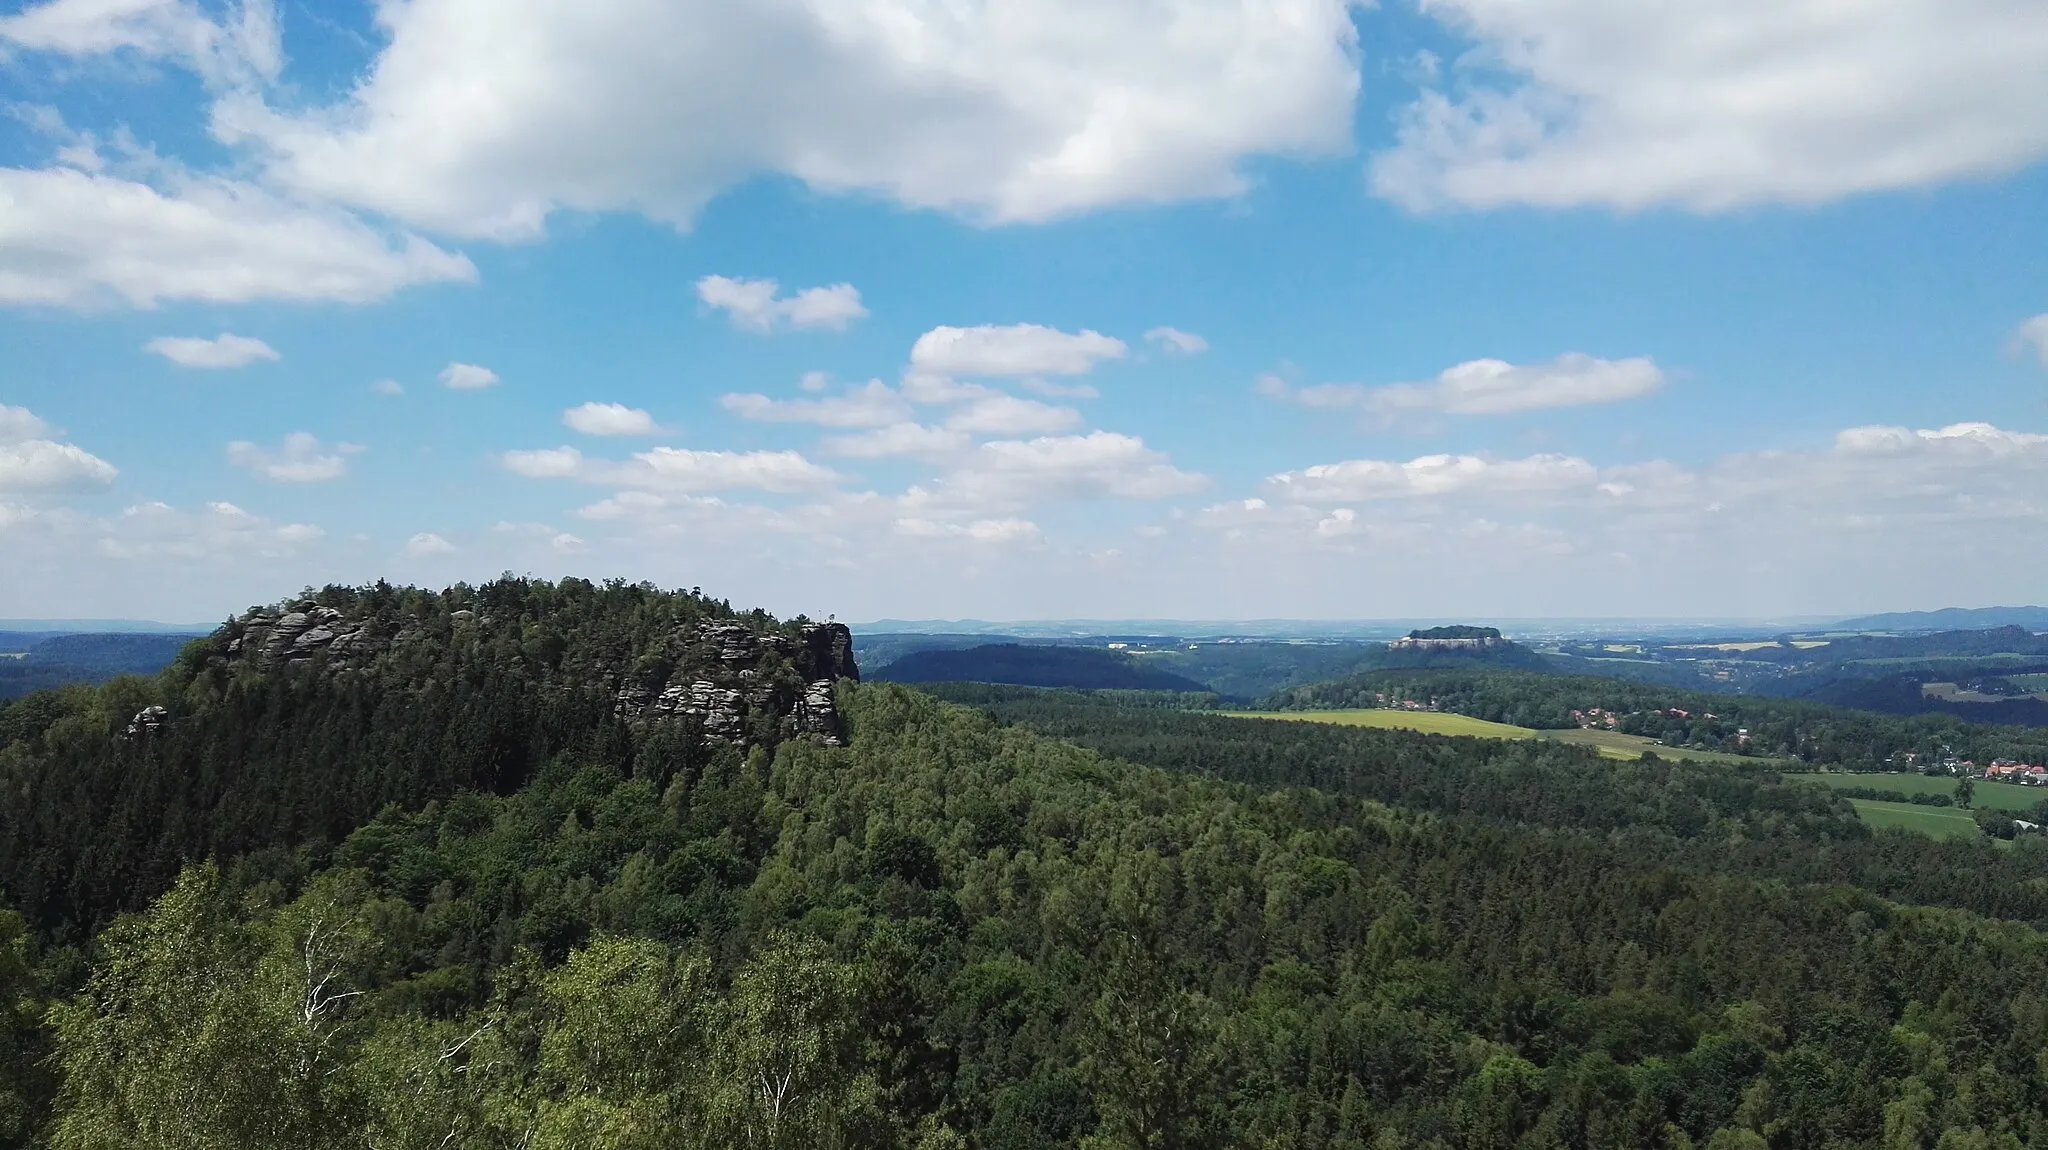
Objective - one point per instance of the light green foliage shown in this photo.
(786, 1052)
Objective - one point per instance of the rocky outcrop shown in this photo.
(732, 680)
(305, 632)
(735, 681)
(148, 721)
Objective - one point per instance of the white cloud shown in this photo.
(300, 459)
(19, 423)
(1176, 342)
(1432, 475)
(426, 545)
(900, 440)
(388, 387)
(482, 119)
(609, 419)
(1487, 387)
(682, 470)
(999, 532)
(679, 470)
(1007, 415)
(547, 463)
(222, 351)
(2033, 335)
(73, 239)
(1012, 472)
(31, 459)
(1971, 441)
(39, 463)
(468, 377)
(155, 531)
(925, 387)
(1047, 387)
(874, 404)
(1017, 350)
(246, 48)
(755, 305)
(1713, 106)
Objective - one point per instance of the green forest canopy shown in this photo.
(965, 929)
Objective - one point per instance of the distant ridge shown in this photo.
(1085, 668)
(1951, 619)
(106, 626)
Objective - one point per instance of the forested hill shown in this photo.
(294, 724)
(1738, 724)
(553, 866)
(1035, 665)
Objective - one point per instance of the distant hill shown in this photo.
(32, 662)
(1423, 652)
(1951, 619)
(1019, 665)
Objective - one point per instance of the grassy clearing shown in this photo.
(1939, 822)
(1610, 744)
(1428, 722)
(1998, 796)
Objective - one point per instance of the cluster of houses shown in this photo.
(2014, 771)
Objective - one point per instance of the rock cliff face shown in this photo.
(738, 683)
(731, 678)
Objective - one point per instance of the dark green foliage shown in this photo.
(1455, 631)
(493, 682)
(1035, 666)
(959, 931)
(1737, 724)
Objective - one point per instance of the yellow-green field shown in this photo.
(1998, 796)
(1610, 744)
(1940, 822)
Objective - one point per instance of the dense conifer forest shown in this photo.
(513, 866)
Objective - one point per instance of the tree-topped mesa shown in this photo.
(1455, 631)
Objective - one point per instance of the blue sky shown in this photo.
(1121, 308)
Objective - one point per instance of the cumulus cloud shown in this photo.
(905, 440)
(682, 470)
(1011, 531)
(1710, 107)
(679, 470)
(1015, 472)
(609, 419)
(546, 463)
(1001, 113)
(220, 530)
(757, 305)
(71, 238)
(1487, 387)
(222, 351)
(1968, 441)
(242, 48)
(1432, 475)
(1006, 415)
(1176, 342)
(40, 463)
(1022, 349)
(19, 423)
(299, 459)
(426, 545)
(875, 404)
(2033, 336)
(30, 459)
(467, 377)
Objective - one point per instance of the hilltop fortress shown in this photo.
(1450, 639)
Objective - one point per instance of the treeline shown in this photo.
(955, 933)
(1738, 724)
(103, 800)
(1703, 817)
